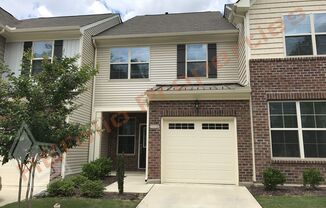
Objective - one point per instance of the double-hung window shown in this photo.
(305, 34)
(40, 51)
(126, 136)
(197, 63)
(129, 63)
(298, 129)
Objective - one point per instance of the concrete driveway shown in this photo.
(198, 196)
(10, 177)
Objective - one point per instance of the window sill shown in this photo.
(298, 161)
(129, 80)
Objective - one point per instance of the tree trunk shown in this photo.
(29, 182)
(34, 164)
(21, 171)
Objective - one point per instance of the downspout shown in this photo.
(254, 178)
(93, 116)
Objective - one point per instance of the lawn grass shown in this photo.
(291, 201)
(78, 203)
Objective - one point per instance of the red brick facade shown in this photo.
(238, 109)
(131, 161)
(283, 79)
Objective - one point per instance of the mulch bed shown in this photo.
(125, 196)
(109, 180)
(287, 191)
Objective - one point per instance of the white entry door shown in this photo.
(199, 150)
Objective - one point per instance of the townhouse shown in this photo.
(197, 97)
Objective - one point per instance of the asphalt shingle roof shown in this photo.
(6, 18)
(171, 23)
(81, 20)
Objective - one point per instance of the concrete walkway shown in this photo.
(134, 183)
(198, 196)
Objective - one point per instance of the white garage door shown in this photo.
(199, 150)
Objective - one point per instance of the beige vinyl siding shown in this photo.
(266, 24)
(128, 95)
(243, 79)
(2, 48)
(77, 157)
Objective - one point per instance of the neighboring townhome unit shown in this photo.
(286, 47)
(58, 37)
(173, 98)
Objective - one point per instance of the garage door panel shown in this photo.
(199, 155)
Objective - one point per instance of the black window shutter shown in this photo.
(26, 62)
(212, 61)
(58, 49)
(28, 46)
(181, 61)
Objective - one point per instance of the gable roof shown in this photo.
(6, 18)
(62, 21)
(171, 23)
(45, 22)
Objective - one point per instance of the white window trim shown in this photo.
(300, 130)
(193, 61)
(134, 135)
(312, 33)
(129, 63)
(42, 58)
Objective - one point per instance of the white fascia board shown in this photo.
(165, 34)
(82, 29)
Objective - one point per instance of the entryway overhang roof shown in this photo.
(229, 91)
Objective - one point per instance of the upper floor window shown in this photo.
(196, 60)
(298, 129)
(305, 34)
(129, 63)
(40, 51)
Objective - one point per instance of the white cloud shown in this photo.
(44, 12)
(127, 8)
(98, 7)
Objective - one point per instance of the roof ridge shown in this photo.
(178, 13)
(83, 15)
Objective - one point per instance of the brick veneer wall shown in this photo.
(238, 109)
(131, 161)
(283, 79)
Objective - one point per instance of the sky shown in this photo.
(23, 9)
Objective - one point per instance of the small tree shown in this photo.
(120, 173)
(43, 101)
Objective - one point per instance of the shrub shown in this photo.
(312, 178)
(120, 173)
(272, 178)
(78, 180)
(97, 169)
(63, 188)
(92, 189)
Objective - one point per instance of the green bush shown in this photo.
(92, 189)
(97, 169)
(312, 178)
(120, 173)
(63, 188)
(78, 180)
(272, 178)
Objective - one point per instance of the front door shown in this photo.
(142, 146)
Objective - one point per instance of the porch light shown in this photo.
(197, 104)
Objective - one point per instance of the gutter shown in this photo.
(234, 31)
(43, 29)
